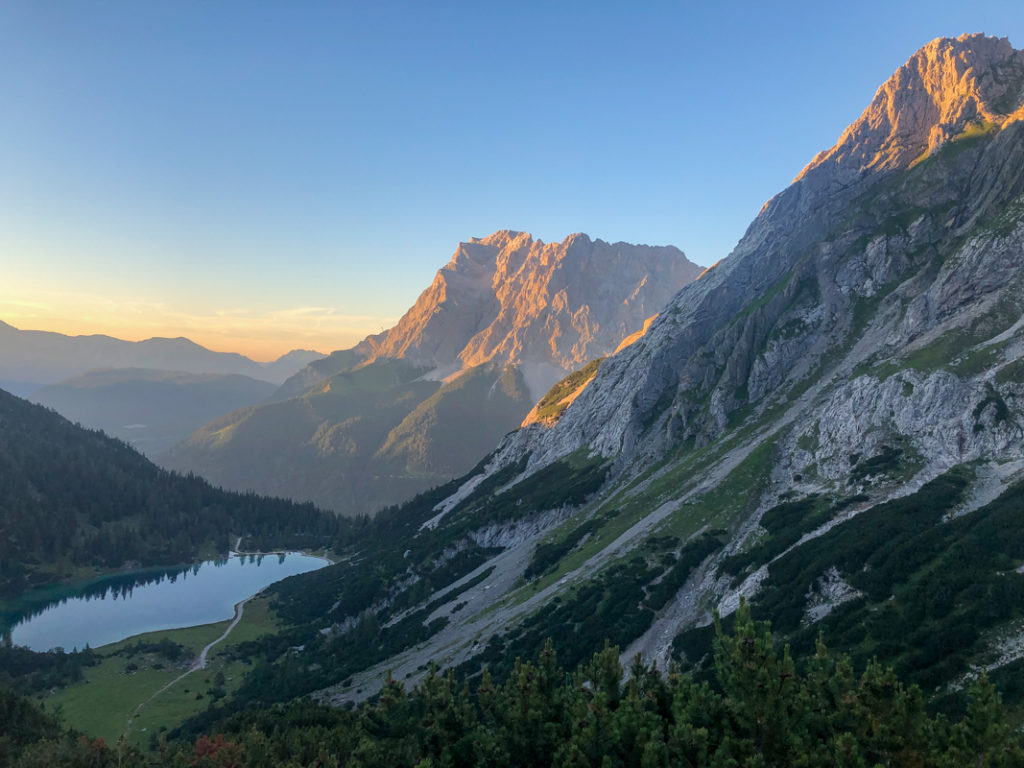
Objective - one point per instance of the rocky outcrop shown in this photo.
(829, 591)
(947, 88)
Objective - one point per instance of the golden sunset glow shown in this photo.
(263, 336)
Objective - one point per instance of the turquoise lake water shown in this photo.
(130, 604)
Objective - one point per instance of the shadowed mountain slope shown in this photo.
(151, 410)
(74, 502)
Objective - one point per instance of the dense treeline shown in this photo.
(762, 709)
(72, 497)
(607, 607)
(30, 672)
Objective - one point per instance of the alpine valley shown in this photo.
(824, 431)
(419, 404)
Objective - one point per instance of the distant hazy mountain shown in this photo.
(278, 371)
(30, 359)
(152, 410)
(406, 409)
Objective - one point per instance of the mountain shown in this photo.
(31, 359)
(280, 370)
(152, 410)
(74, 502)
(827, 424)
(414, 406)
(544, 307)
(317, 370)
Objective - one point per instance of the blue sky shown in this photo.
(260, 176)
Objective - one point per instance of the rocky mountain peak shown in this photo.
(501, 238)
(550, 307)
(948, 88)
(580, 238)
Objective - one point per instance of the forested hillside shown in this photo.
(73, 499)
(762, 708)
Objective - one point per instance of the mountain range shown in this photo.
(412, 407)
(152, 410)
(825, 429)
(826, 424)
(31, 359)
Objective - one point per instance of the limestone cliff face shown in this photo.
(546, 307)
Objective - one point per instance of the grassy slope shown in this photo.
(103, 702)
(434, 439)
(553, 404)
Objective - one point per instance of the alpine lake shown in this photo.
(116, 607)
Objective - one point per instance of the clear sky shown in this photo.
(260, 176)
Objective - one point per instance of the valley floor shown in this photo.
(141, 695)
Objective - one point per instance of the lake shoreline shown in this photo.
(63, 589)
(89, 613)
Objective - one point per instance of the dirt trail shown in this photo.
(198, 663)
